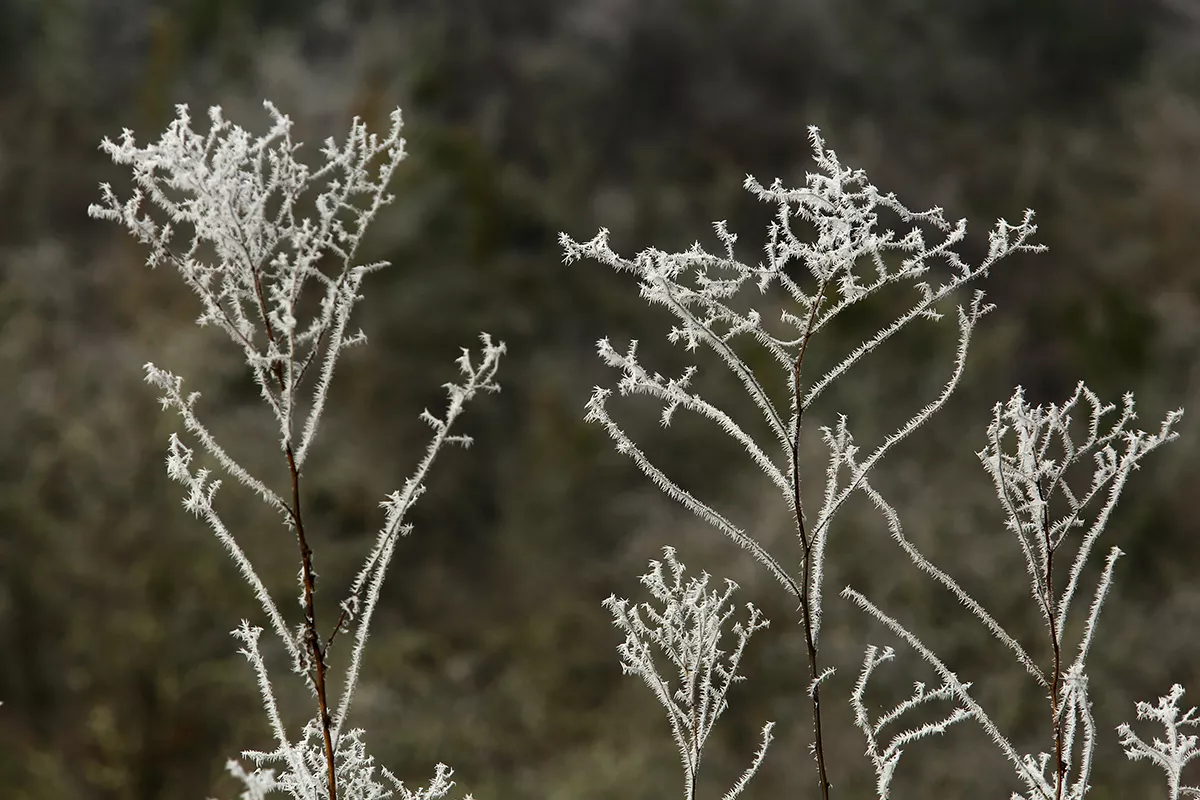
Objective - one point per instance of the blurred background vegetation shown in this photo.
(524, 118)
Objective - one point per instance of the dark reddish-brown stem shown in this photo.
(311, 639)
(807, 545)
(1060, 768)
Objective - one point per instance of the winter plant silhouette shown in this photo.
(238, 196)
(844, 261)
(252, 257)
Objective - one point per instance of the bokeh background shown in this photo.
(525, 118)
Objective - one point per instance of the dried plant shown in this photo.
(841, 262)
(238, 197)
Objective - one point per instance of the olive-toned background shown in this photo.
(526, 117)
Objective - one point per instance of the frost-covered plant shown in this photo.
(841, 262)
(252, 258)
(823, 276)
(688, 631)
(1178, 749)
(886, 759)
(1030, 480)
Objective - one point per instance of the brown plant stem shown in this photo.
(802, 533)
(311, 637)
(1060, 768)
(310, 625)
